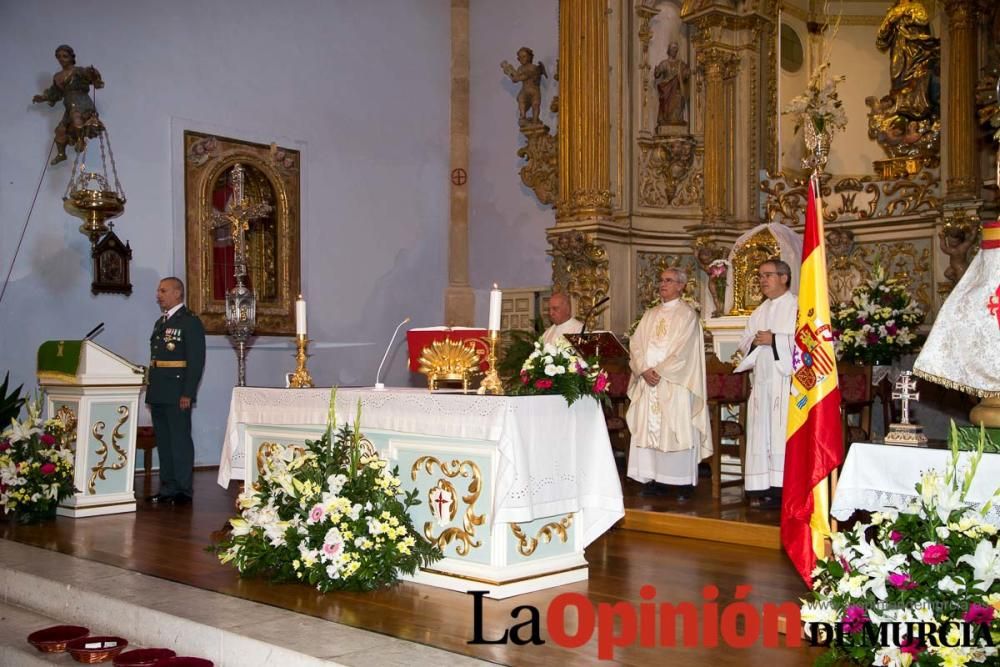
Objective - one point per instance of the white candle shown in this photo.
(496, 297)
(300, 316)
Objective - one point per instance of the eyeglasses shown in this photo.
(671, 280)
(767, 274)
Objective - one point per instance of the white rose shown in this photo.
(551, 370)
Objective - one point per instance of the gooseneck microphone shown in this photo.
(590, 313)
(380, 386)
(94, 332)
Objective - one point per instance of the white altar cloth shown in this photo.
(876, 477)
(554, 459)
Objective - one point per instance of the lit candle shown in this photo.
(495, 305)
(300, 316)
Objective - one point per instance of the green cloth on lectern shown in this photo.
(59, 359)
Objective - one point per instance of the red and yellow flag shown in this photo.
(815, 442)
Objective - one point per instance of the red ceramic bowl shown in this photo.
(54, 639)
(184, 661)
(143, 657)
(90, 650)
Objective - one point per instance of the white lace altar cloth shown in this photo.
(877, 477)
(554, 459)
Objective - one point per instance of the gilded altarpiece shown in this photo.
(272, 176)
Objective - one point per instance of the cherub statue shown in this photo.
(72, 85)
(529, 75)
(956, 242)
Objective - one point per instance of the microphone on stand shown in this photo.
(590, 313)
(96, 331)
(380, 386)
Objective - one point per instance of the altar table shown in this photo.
(534, 480)
(877, 477)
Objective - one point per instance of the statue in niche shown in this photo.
(672, 77)
(906, 122)
(529, 75)
(72, 85)
(956, 241)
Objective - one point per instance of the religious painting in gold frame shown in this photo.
(272, 177)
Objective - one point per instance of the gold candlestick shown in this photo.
(491, 383)
(300, 378)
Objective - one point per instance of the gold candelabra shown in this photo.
(491, 383)
(300, 378)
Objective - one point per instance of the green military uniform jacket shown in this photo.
(180, 339)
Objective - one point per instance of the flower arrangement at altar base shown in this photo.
(558, 369)
(329, 513)
(879, 324)
(934, 561)
(36, 467)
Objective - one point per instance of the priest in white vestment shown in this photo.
(668, 415)
(563, 322)
(767, 344)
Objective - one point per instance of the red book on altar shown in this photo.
(418, 339)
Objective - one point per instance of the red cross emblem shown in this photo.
(994, 305)
(441, 501)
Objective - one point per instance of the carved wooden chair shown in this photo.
(856, 398)
(726, 390)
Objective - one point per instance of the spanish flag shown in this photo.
(815, 442)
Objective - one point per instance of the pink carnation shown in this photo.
(980, 614)
(543, 384)
(896, 536)
(48, 440)
(902, 581)
(47, 468)
(935, 554)
(601, 383)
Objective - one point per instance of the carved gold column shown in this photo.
(459, 300)
(584, 108)
(963, 156)
(718, 65)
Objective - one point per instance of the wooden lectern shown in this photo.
(613, 357)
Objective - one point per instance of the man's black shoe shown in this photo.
(159, 499)
(770, 503)
(654, 489)
(685, 491)
(181, 499)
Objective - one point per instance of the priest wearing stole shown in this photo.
(668, 415)
(563, 322)
(767, 342)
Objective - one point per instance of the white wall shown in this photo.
(362, 88)
(506, 222)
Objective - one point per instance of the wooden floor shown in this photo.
(170, 543)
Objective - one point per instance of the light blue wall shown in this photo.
(361, 88)
(507, 223)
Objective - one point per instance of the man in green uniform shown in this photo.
(176, 362)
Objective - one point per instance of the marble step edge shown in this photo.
(77, 604)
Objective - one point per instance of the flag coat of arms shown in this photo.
(814, 445)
